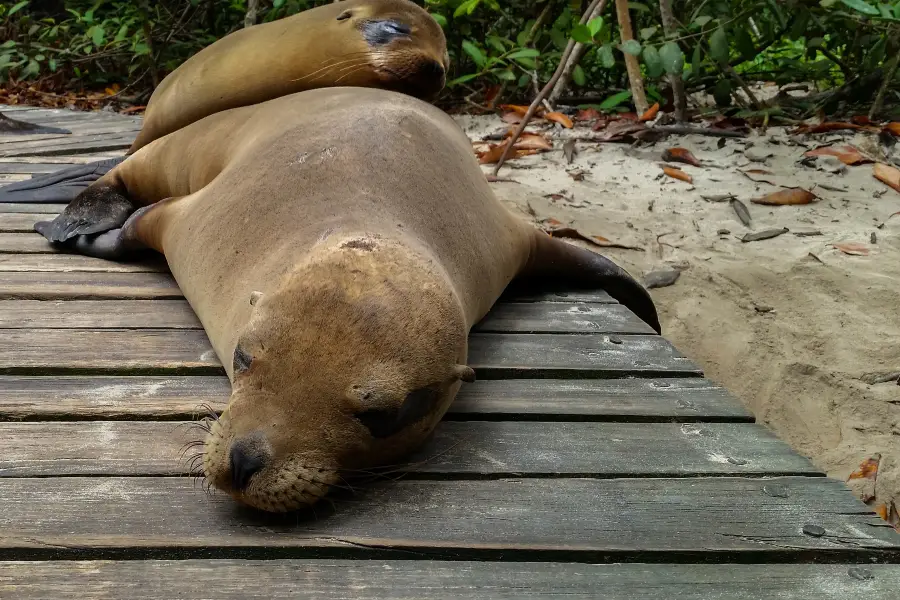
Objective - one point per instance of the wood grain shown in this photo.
(582, 519)
(46, 211)
(334, 579)
(474, 448)
(72, 144)
(492, 355)
(177, 397)
(72, 263)
(19, 222)
(562, 317)
(26, 243)
(62, 286)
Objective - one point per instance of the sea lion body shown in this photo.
(387, 44)
(337, 245)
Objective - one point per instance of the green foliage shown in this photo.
(492, 43)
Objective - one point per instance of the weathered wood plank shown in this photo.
(177, 397)
(19, 168)
(335, 579)
(72, 145)
(19, 222)
(138, 314)
(72, 263)
(77, 129)
(473, 448)
(26, 243)
(45, 211)
(492, 355)
(61, 286)
(584, 519)
(63, 159)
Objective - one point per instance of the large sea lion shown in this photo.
(389, 44)
(337, 246)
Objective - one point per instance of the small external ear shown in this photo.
(464, 373)
(254, 297)
(241, 361)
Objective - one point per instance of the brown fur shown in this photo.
(337, 245)
(311, 49)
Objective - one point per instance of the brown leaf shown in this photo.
(513, 118)
(893, 128)
(601, 124)
(490, 95)
(533, 141)
(587, 114)
(887, 174)
(682, 155)
(785, 197)
(558, 117)
(492, 155)
(650, 113)
(849, 155)
(837, 126)
(678, 174)
(854, 248)
(555, 228)
(861, 120)
(741, 210)
(516, 108)
(619, 130)
(868, 469)
(628, 116)
(133, 109)
(764, 235)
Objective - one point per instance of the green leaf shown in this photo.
(815, 42)
(696, 61)
(524, 80)
(886, 12)
(860, 6)
(473, 51)
(52, 64)
(33, 68)
(718, 45)
(647, 32)
(16, 8)
(495, 43)
(653, 61)
(827, 3)
(39, 57)
(8, 44)
(528, 63)
(121, 34)
(798, 30)
(615, 100)
(280, 3)
(595, 25)
(89, 16)
(441, 19)
(506, 75)
(558, 38)
(632, 47)
(578, 76)
(701, 20)
(581, 34)
(744, 43)
(672, 58)
(98, 35)
(606, 56)
(524, 53)
(638, 7)
(462, 79)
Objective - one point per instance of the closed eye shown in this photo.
(378, 33)
(385, 422)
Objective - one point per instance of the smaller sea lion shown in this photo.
(388, 44)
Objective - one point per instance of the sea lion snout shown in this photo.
(248, 456)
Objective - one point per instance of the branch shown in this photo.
(250, 17)
(631, 62)
(670, 28)
(890, 71)
(546, 90)
(574, 58)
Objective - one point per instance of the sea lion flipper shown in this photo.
(558, 263)
(97, 209)
(61, 186)
(112, 244)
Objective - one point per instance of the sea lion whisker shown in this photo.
(347, 74)
(330, 66)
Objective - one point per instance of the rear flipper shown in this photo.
(115, 244)
(60, 186)
(558, 265)
(95, 210)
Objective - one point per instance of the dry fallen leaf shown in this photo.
(853, 248)
(786, 197)
(650, 113)
(620, 130)
(516, 108)
(558, 117)
(533, 141)
(741, 210)
(587, 114)
(893, 128)
(513, 118)
(868, 469)
(861, 120)
(849, 155)
(682, 155)
(887, 174)
(764, 235)
(826, 127)
(678, 174)
(555, 228)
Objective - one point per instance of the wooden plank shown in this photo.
(77, 129)
(138, 314)
(71, 263)
(177, 397)
(336, 579)
(45, 211)
(19, 222)
(602, 520)
(72, 145)
(61, 286)
(473, 448)
(26, 243)
(29, 168)
(63, 159)
(493, 356)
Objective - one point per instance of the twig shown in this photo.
(546, 90)
(670, 28)
(577, 52)
(889, 73)
(631, 62)
(250, 17)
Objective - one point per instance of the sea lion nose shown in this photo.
(433, 69)
(244, 464)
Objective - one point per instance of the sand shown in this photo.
(790, 325)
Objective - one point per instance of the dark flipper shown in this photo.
(560, 266)
(9, 125)
(58, 187)
(97, 209)
(115, 244)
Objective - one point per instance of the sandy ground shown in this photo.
(790, 325)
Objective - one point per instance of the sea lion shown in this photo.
(389, 44)
(337, 246)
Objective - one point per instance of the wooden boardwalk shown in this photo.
(590, 459)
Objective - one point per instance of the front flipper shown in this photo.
(115, 244)
(57, 187)
(95, 210)
(554, 263)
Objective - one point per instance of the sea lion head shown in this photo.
(349, 364)
(406, 47)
